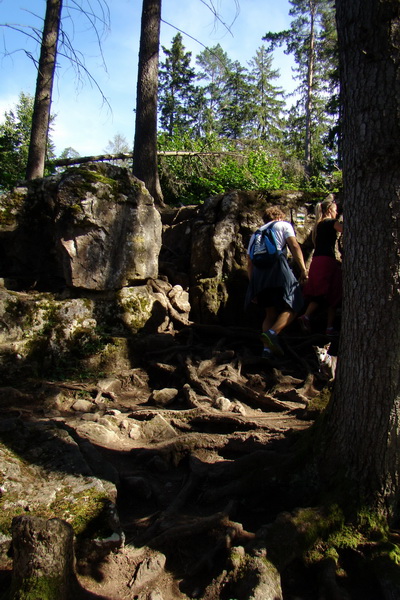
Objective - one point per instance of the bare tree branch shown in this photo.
(210, 5)
(99, 23)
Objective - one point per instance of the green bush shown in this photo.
(210, 166)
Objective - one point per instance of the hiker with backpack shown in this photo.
(272, 284)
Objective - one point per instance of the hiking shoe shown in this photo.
(270, 340)
(331, 332)
(267, 353)
(305, 323)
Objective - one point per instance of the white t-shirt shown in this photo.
(282, 230)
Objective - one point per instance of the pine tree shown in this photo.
(145, 160)
(178, 96)
(44, 90)
(330, 64)
(14, 142)
(237, 110)
(268, 99)
(360, 436)
(306, 40)
(215, 66)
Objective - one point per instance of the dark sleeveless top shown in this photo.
(325, 240)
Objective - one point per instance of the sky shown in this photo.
(83, 120)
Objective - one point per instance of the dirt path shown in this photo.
(208, 486)
(217, 425)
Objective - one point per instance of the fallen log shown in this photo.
(77, 160)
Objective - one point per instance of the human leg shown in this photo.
(305, 319)
(330, 328)
(312, 307)
(331, 313)
(269, 320)
(270, 336)
(270, 317)
(283, 320)
(278, 315)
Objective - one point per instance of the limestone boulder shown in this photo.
(94, 228)
(156, 306)
(44, 333)
(114, 235)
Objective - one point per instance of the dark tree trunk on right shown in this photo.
(362, 434)
(145, 166)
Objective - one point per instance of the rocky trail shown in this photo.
(195, 439)
(138, 418)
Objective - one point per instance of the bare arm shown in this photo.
(295, 249)
(338, 225)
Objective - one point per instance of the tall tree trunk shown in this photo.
(44, 89)
(145, 166)
(362, 426)
(310, 79)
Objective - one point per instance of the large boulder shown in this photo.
(94, 228)
(44, 333)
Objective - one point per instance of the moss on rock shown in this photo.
(33, 588)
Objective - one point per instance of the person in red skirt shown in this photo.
(324, 284)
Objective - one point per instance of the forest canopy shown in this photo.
(210, 104)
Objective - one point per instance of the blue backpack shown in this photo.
(264, 250)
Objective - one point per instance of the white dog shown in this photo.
(327, 363)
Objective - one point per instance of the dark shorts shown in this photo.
(272, 297)
(275, 286)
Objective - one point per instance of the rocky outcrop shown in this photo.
(205, 247)
(92, 228)
(43, 333)
(95, 228)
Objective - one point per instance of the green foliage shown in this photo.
(312, 125)
(249, 171)
(178, 97)
(222, 167)
(239, 110)
(14, 142)
(268, 102)
(214, 66)
(15, 134)
(215, 166)
(238, 103)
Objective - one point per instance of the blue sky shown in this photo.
(83, 121)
